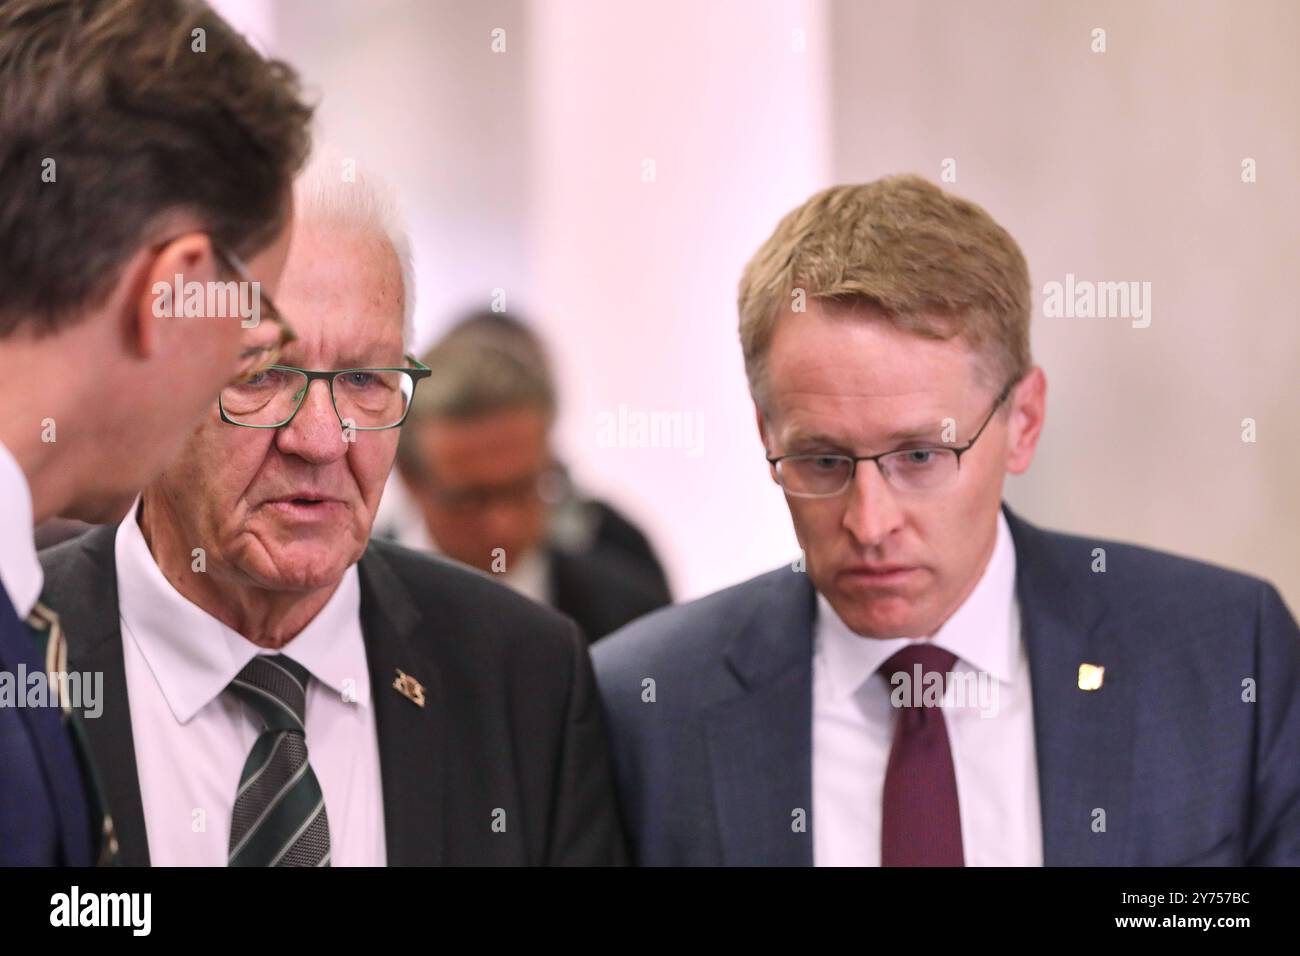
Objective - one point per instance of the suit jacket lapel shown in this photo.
(1084, 739)
(759, 732)
(85, 598)
(51, 738)
(410, 735)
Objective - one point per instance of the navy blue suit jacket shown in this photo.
(44, 819)
(714, 771)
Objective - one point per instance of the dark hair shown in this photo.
(145, 108)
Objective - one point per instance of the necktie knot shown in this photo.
(930, 660)
(275, 687)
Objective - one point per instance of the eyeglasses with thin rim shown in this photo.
(257, 356)
(255, 353)
(921, 469)
(364, 399)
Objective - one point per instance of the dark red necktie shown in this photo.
(920, 825)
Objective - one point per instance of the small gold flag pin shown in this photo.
(1090, 676)
(409, 687)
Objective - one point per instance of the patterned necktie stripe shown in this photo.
(44, 625)
(310, 845)
(259, 759)
(279, 817)
(277, 713)
(295, 803)
(271, 782)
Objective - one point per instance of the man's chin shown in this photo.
(300, 575)
(304, 565)
(883, 616)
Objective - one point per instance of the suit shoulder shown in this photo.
(65, 562)
(486, 608)
(1148, 570)
(608, 570)
(1166, 592)
(681, 637)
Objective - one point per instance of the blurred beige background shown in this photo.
(611, 170)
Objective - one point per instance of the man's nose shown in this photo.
(315, 433)
(871, 512)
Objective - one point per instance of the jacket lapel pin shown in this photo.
(1090, 676)
(409, 687)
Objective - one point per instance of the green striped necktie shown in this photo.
(279, 817)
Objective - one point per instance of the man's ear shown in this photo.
(1025, 424)
(148, 290)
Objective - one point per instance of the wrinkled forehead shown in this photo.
(342, 292)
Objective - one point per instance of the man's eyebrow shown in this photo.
(899, 435)
(814, 438)
(368, 360)
(910, 434)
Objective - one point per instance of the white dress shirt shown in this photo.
(191, 739)
(20, 569)
(992, 739)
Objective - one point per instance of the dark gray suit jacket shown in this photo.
(1187, 772)
(511, 719)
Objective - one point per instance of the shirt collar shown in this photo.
(20, 569)
(979, 632)
(530, 575)
(194, 656)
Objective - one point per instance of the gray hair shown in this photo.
(336, 190)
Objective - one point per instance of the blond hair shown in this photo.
(936, 265)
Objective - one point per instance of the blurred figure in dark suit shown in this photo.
(475, 458)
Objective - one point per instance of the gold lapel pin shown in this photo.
(1090, 676)
(409, 687)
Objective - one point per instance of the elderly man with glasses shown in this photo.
(935, 681)
(283, 691)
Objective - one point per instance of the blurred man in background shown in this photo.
(476, 459)
(142, 143)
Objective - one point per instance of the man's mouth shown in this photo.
(304, 506)
(879, 574)
(298, 499)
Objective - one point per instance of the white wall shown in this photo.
(636, 280)
(523, 171)
(1123, 165)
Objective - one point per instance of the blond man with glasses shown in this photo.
(936, 681)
